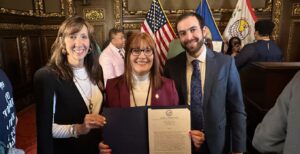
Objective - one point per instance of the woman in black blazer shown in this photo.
(68, 93)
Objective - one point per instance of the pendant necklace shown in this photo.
(90, 104)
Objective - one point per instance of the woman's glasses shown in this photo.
(138, 51)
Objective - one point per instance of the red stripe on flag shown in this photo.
(250, 9)
(171, 31)
(159, 51)
(162, 53)
(159, 56)
(162, 42)
(145, 28)
(166, 34)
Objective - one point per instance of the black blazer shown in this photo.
(223, 105)
(70, 109)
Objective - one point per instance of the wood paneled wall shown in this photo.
(25, 44)
(289, 28)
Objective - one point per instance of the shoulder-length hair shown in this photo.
(58, 61)
(135, 41)
(230, 46)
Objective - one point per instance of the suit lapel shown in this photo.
(182, 78)
(210, 72)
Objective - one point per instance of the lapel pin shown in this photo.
(156, 96)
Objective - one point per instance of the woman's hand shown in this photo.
(198, 138)
(90, 121)
(104, 148)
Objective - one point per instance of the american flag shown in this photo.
(157, 25)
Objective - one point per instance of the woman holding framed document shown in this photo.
(142, 83)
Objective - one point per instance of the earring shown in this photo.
(90, 51)
(64, 51)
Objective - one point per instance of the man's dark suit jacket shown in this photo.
(222, 103)
(258, 51)
(118, 94)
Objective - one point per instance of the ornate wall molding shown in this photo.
(118, 12)
(132, 26)
(7, 26)
(16, 12)
(126, 11)
(36, 7)
(268, 7)
(40, 6)
(39, 11)
(296, 9)
(94, 14)
(70, 7)
(122, 12)
(277, 7)
(290, 40)
(25, 57)
(43, 13)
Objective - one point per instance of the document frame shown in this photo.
(126, 130)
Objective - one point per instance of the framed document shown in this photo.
(127, 130)
(168, 130)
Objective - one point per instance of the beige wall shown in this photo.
(101, 26)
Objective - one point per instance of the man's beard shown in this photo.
(193, 51)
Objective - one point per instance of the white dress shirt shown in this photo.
(112, 62)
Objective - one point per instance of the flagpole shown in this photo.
(154, 15)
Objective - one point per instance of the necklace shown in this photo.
(146, 97)
(90, 104)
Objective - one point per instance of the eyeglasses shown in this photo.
(138, 51)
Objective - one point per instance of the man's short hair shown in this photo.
(190, 14)
(114, 31)
(264, 27)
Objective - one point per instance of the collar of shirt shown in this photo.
(201, 57)
(115, 49)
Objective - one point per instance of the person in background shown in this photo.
(8, 118)
(234, 46)
(263, 49)
(142, 83)
(112, 57)
(279, 130)
(209, 82)
(68, 93)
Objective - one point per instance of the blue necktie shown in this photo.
(196, 98)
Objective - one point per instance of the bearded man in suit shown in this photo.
(221, 125)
